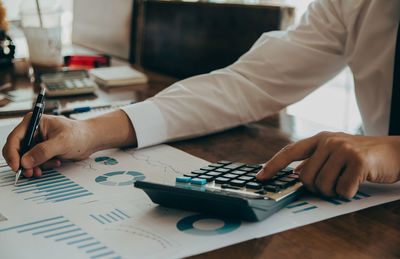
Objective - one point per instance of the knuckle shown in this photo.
(324, 134)
(287, 149)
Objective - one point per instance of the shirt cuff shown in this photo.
(148, 122)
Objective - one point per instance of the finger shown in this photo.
(293, 152)
(27, 172)
(325, 181)
(348, 182)
(313, 165)
(41, 153)
(37, 172)
(53, 163)
(12, 147)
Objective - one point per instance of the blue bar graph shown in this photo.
(51, 187)
(302, 206)
(110, 217)
(339, 200)
(305, 209)
(296, 205)
(305, 206)
(63, 231)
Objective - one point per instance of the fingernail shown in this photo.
(27, 162)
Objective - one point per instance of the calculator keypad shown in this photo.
(72, 82)
(240, 178)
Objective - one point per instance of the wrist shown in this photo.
(110, 130)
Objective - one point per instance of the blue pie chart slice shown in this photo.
(187, 225)
(107, 178)
(106, 160)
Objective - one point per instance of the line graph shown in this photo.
(166, 168)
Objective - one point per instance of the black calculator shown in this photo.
(227, 189)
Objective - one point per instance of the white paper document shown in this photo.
(89, 209)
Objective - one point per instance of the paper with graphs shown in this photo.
(89, 209)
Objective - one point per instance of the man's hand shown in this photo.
(336, 163)
(61, 139)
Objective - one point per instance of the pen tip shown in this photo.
(17, 175)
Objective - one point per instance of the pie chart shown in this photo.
(119, 178)
(221, 225)
(106, 160)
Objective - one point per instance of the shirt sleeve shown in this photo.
(282, 67)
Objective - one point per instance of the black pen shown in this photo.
(33, 125)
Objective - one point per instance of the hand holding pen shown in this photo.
(32, 127)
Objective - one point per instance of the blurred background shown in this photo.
(333, 104)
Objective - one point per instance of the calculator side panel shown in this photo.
(208, 202)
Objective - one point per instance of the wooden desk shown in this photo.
(369, 233)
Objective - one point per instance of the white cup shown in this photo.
(42, 31)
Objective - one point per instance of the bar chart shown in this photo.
(116, 215)
(305, 206)
(63, 231)
(51, 187)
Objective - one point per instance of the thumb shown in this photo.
(41, 153)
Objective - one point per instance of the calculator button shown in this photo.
(245, 178)
(221, 180)
(254, 186)
(255, 167)
(198, 181)
(60, 86)
(213, 174)
(222, 170)
(224, 162)
(183, 179)
(247, 169)
(230, 176)
(208, 178)
(289, 180)
(280, 184)
(287, 170)
(207, 168)
(78, 83)
(51, 87)
(69, 84)
(272, 188)
(238, 172)
(234, 166)
(199, 172)
(238, 183)
(251, 174)
(190, 175)
(88, 82)
(216, 165)
(280, 173)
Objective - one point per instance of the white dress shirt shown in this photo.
(281, 68)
